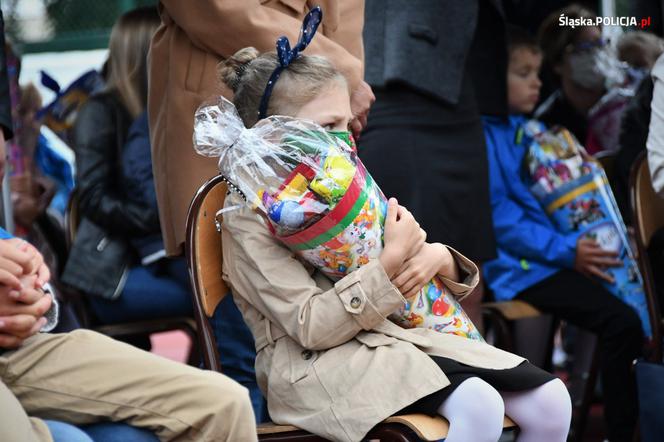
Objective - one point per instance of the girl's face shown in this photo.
(330, 108)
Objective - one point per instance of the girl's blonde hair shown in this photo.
(128, 54)
(247, 73)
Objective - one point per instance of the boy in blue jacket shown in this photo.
(555, 272)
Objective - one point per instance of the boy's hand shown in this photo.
(592, 260)
(431, 260)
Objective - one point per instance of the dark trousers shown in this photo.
(432, 158)
(576, 299)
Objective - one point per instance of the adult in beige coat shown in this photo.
(193, 38)
(328, 360)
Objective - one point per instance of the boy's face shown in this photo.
(523, 83)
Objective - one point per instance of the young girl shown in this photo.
(328, 360)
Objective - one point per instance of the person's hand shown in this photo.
(592, 260)
(22, 312)
(403, 237)
(16, 329)
(15, 261)
(361, 100)
(35, 261)
(416, 271)
(28, 300)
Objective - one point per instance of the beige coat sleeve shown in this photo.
(280, 287)
(223, 27)
(470, 276)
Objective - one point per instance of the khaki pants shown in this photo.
(83, 377)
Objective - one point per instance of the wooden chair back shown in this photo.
(648, 218)
(204, 259)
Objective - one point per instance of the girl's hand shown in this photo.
(403, 237)
(433, 259)
(449, 267)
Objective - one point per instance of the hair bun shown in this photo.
(233, 68)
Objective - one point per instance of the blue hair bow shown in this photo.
(286, 55)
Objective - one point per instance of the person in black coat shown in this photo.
(112, 182)
(115, 216)
(434, 66)
(424, 143)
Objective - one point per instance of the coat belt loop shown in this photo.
(268, 332)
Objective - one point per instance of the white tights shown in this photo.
(475, 411)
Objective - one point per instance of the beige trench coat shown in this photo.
(193, 38)
(326, 363)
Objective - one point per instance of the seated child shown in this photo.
(545, 268)
(328, 359)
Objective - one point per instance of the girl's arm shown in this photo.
(459, 274)
(268, 276)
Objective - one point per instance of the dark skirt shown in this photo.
(524, 376)
(432, 158)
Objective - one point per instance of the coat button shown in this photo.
(355, 302)
(307, 354)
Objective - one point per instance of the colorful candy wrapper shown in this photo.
(578, 199)
(318, 199)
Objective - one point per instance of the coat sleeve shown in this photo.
(517, 233)
(272, 280)
(96, 159)
(223, 27)
(470, 276)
